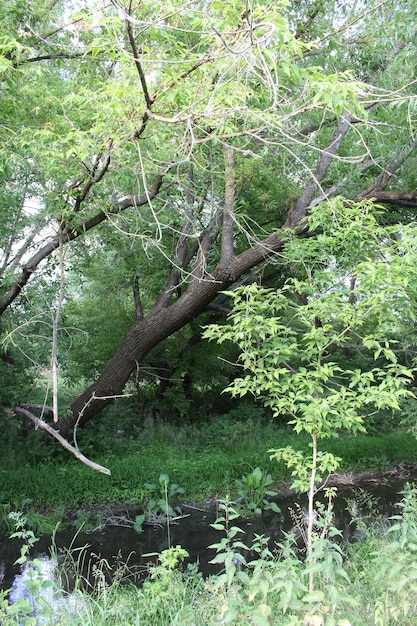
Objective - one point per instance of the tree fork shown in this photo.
(148, 332)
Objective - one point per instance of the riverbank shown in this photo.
(400, 473)
(359, 584)
(370, 581)
(202, 462)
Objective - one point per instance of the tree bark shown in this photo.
(144, 335)
(148, 332)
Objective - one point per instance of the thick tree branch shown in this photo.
(95, 177)
(180, 257)
(399, 198)
(204, 245)
(148, 332)
(303, 28)
(126, 202)
(14, 262)
(51, 57)
(326, 159)
(227, 244)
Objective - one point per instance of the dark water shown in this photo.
(194, 533)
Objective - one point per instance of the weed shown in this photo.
(253, 492)
(372, 582)
(156, 501)
(5, 519)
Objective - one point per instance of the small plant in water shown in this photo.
(228, 549)
(254, 491)
(157, 502)
(248, 587)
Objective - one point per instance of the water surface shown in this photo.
(118, 544)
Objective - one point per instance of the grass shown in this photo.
(205, 461)
(372, 582)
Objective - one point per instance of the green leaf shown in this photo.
(314, 597)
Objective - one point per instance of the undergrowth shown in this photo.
(372, 581)
(206, 462)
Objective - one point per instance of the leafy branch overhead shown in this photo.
(163, 150)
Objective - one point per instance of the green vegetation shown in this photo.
(157, 502)
(163, 154)
(173, 173)
(289, 350)
(205, 462)
(254, 491)
(355, 585)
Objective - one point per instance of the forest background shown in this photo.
(155, 158)
(195, 197)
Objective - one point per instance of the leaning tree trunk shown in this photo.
(145, 334)
(148, 332)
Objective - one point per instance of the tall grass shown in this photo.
(205, 461)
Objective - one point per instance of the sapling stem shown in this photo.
(310, 521)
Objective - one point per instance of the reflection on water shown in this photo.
(37, 583)
(21, 583)
(124, 545)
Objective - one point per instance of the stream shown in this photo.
(120, 545)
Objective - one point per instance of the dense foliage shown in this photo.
(158, 155)
(176, 172)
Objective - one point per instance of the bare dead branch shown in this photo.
(44, 409)
(54, 433)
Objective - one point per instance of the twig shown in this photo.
(55, 329)
(195, 508)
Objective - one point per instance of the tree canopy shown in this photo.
(154, 155)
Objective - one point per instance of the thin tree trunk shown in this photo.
(311, 512)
